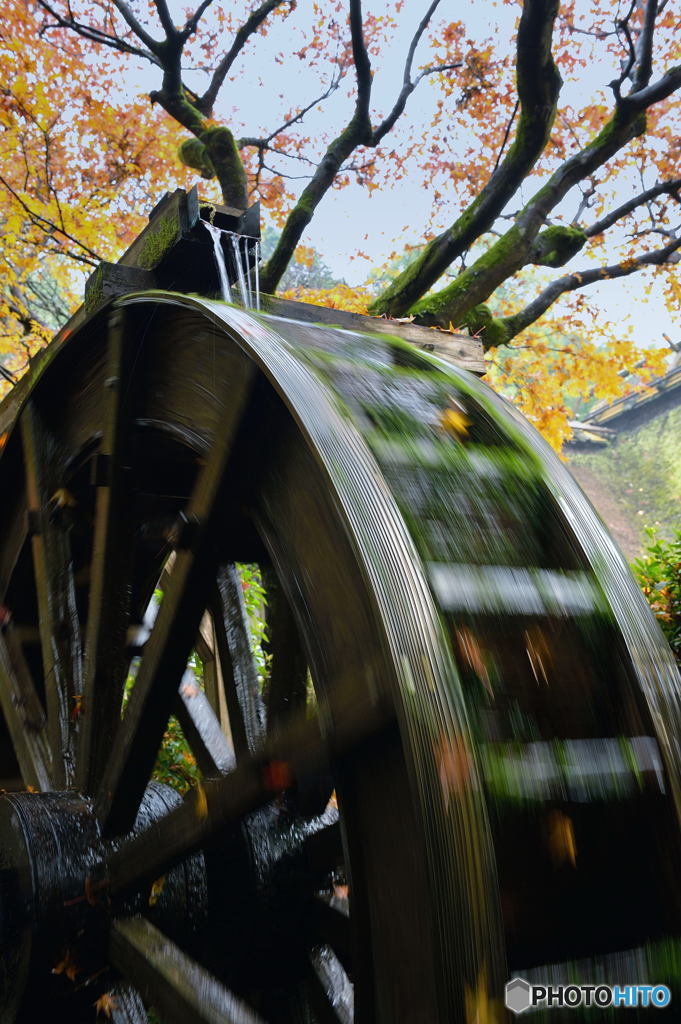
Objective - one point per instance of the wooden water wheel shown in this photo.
(455, 750)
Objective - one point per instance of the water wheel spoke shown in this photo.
(213, 752)
(24, 715)
(296, 754)
(288, 671)
(330, 990)
(333, 923)
(48, 512)
(172, 637)
(239, 670)
(177, 986)
(108, 606)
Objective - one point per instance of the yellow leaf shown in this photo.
(455, 422)
(562, 845)
(156, 890)
(201, 802)
(63, 498)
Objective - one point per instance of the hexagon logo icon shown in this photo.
(517, 996)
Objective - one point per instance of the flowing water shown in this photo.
(249, 294)
(216, 235)
(238, 265)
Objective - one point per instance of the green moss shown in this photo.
(193, 153)
(95, 291)
(453, 303)
(480, 320)
(556, 245)
(157, 241)
(222, 152)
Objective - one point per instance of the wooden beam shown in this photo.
(111, 565)
(55, 590)
(180, 989)
(459, 349)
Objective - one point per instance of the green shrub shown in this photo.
(659, 574)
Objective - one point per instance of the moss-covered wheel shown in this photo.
(464, 714)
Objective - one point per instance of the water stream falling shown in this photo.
(256, 269)
(216, 235)
(249, 293)
(240, 276)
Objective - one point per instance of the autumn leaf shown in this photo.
(561, 839)
(454, 764)
(201, 802)
(63, 499)
(156, 890)
(455, 422)
(106, 1004)
(67, 966)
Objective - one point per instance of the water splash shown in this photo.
(216, 235)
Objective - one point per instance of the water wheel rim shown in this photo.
(424, 688)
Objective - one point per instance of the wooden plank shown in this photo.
(214, 754)
(239, 670)
(56, 594)
(213, 681)
(459, 349)
(24, 715)
(168, 224)
(111, 565)
(174, 633)
(180, 989)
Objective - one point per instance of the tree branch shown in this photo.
(191, 23)
(249, 27)
(644, 48)
(665, 187)
(581, 279)
(165, 19)
(48, 226)
(264, 143)
(361, 61)
(135, 25)
(95, 35)
(516, 248)
(538, 88)
(408, 85)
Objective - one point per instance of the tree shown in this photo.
(527, 177)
